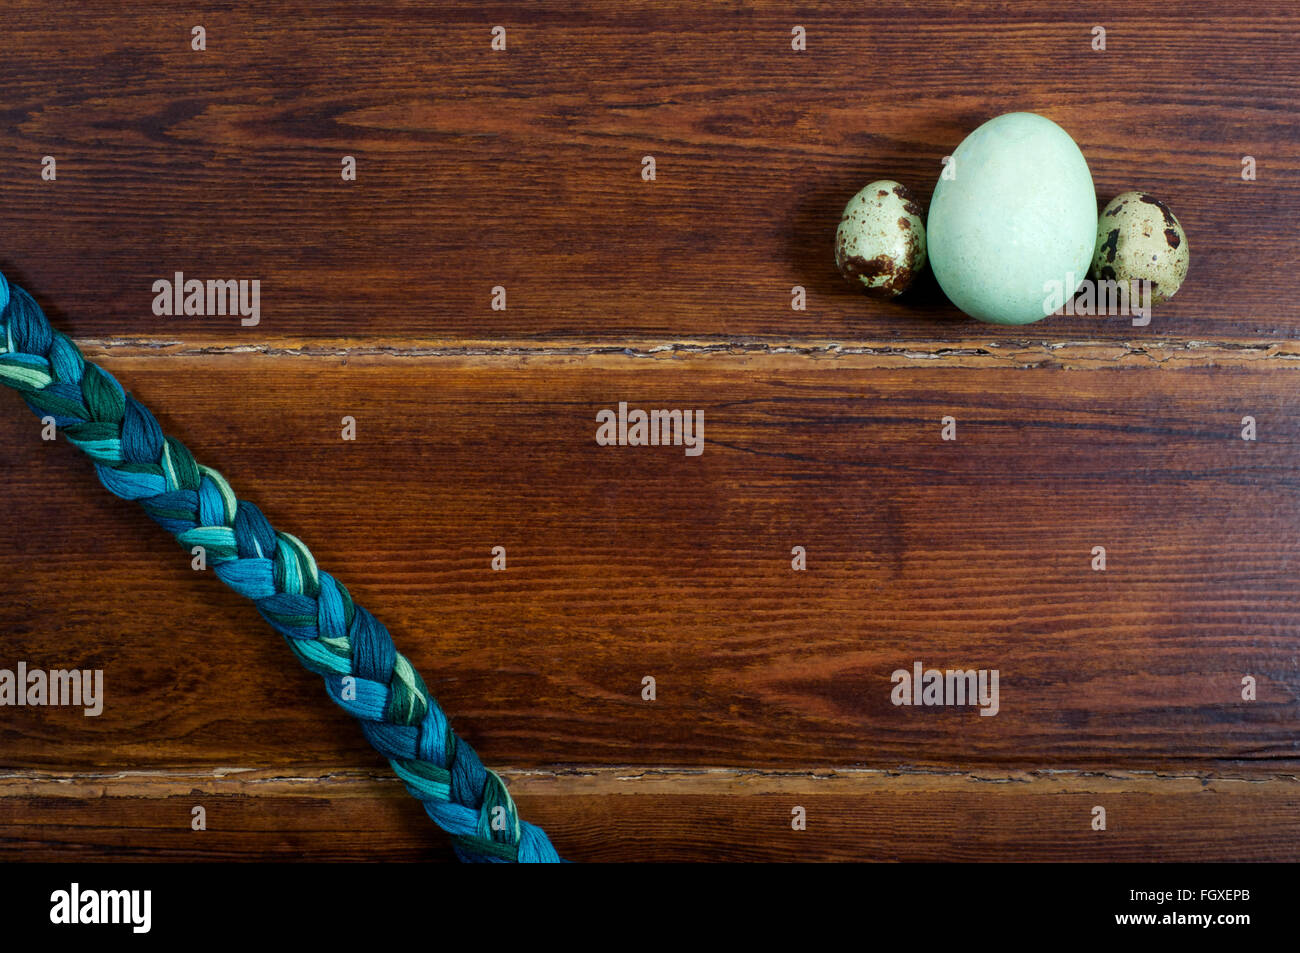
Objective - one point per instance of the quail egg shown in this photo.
(880, 244)
(1138, 238)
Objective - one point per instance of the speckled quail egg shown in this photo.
(1139, 238)
(880, 244)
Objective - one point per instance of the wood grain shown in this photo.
(475, 428)
(522, 168)
(625, 562)
(663, 815)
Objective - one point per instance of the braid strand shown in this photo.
(329, 633)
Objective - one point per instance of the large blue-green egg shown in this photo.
(1013, 220)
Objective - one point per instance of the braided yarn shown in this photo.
(329, 633)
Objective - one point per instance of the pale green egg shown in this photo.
(1013, 220)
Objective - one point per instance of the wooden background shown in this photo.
(475, 429)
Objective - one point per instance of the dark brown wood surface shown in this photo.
(332, 814)
(522, 168)
(475, 428)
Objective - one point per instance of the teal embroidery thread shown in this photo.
(330, 634)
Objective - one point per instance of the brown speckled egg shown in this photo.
(880, 244)
(1139, 238)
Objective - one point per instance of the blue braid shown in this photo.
(331, 635)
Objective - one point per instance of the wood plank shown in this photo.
(476, 427)
(625, 562)
(649, 814)
(522, 168)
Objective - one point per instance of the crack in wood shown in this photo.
(1013, 354)
(633, 780)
